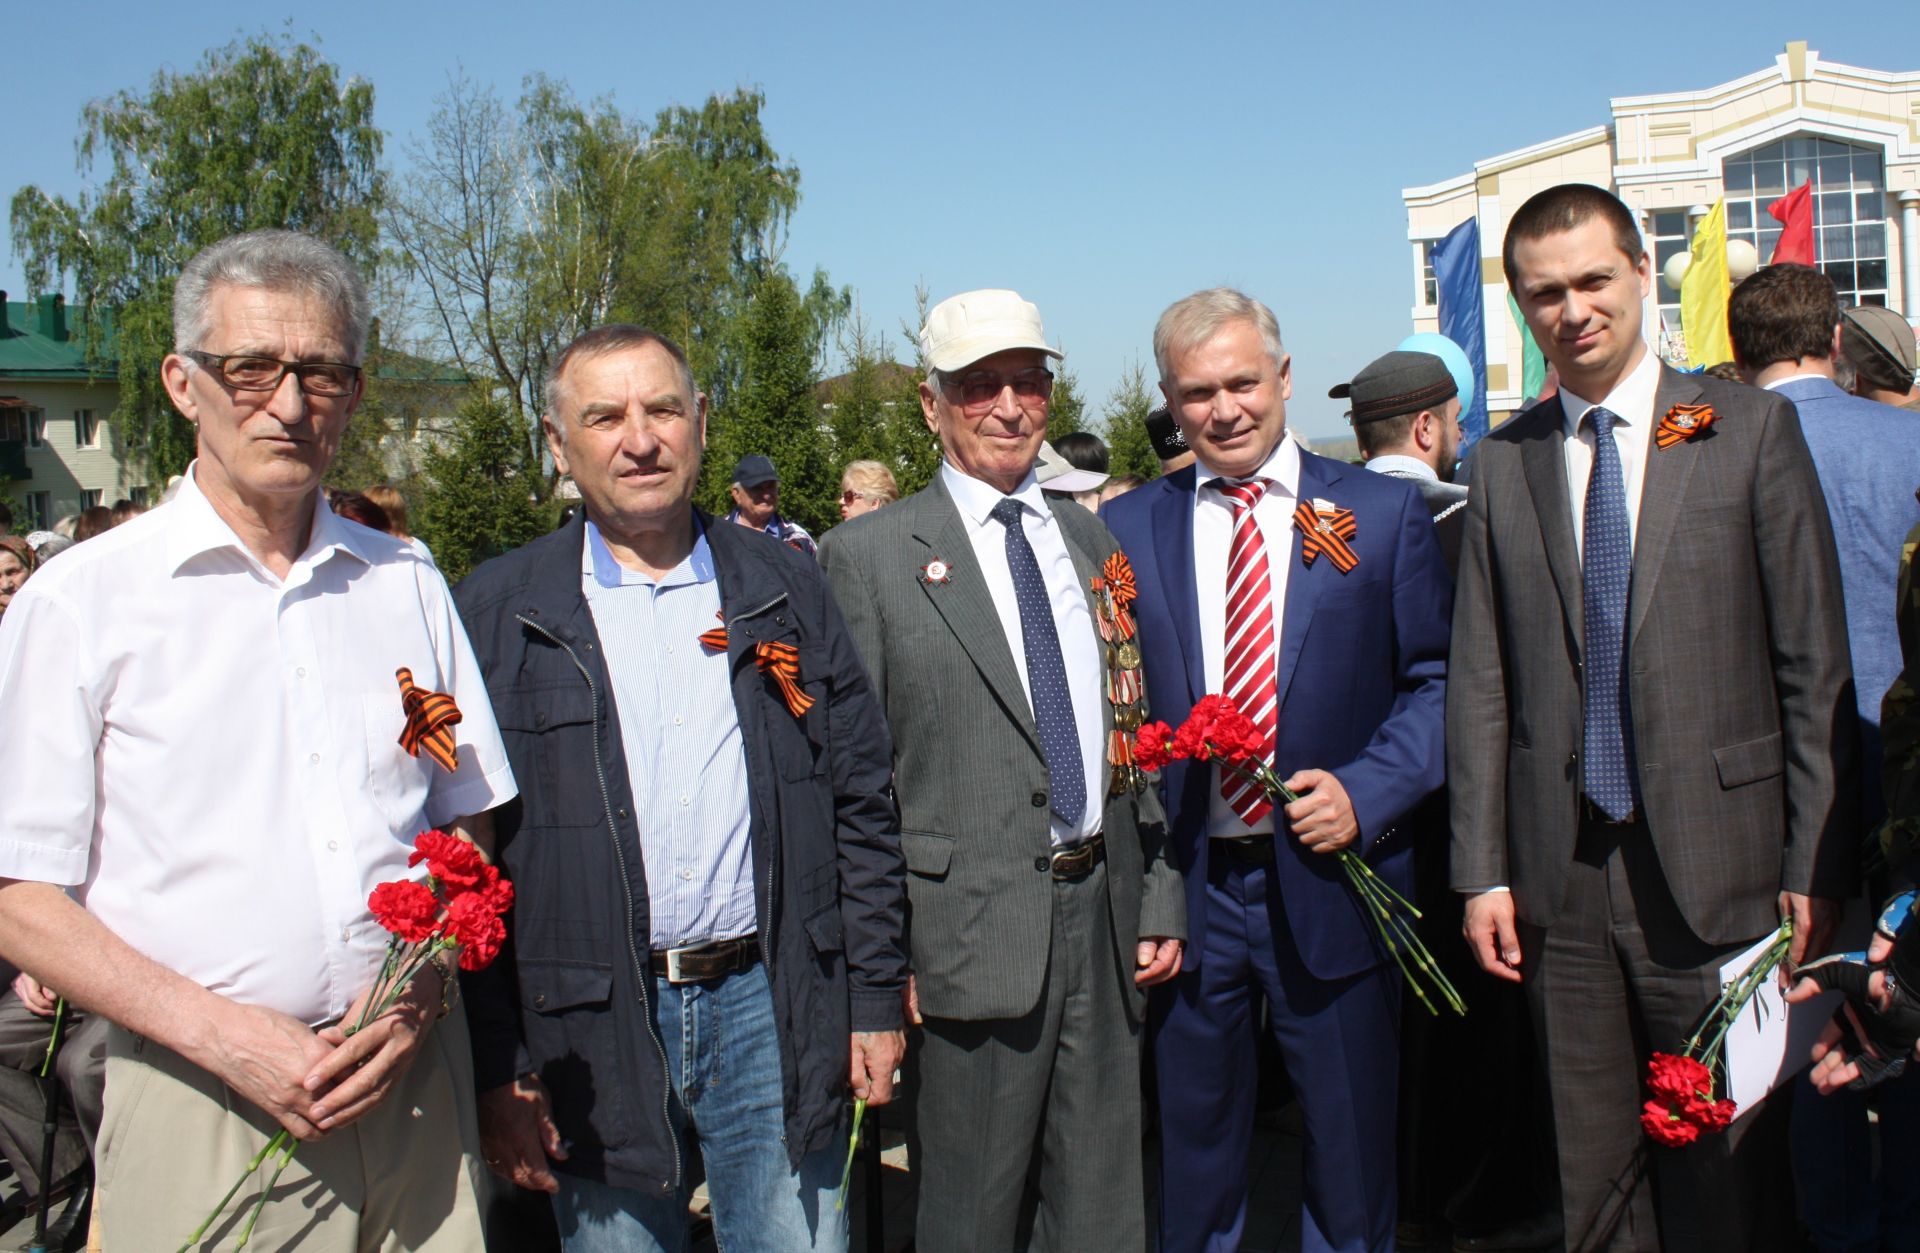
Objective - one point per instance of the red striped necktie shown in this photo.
(1251, 678)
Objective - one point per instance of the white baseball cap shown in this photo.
(1057, 474)
(963, 329)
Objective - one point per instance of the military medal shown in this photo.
(1114, 592)
(936, 571)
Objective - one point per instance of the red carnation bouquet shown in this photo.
(1217, 731)
(1682, 1084)
(457, 908)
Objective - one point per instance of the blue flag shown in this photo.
(1456, 272)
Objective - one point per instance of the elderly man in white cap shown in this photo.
(1042, 902)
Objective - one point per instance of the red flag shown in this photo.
(1794, 212)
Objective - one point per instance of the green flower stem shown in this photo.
(853, 1143)
(286, 1156)
(1380, 899)
(277, 1142)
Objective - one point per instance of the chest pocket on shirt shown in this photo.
(396, 781)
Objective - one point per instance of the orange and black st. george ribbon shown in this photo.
(779, 661)
(1683, 422)
(430, 720)
(1327, 535)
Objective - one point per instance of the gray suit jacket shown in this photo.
(968, 770)
(1742, 708)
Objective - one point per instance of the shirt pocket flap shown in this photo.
(541, 709)
(554, 987)
(1749, 762)
(927, 853)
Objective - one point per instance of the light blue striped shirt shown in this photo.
(686, 760)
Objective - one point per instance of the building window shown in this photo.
(40, 511)
(1669, 236)
(86, 429)
(91, 497)
(36, 428)
(1429, 285)
(13, 426)
(1849, 208)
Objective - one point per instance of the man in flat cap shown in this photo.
(1473, 1151)
(756, 503)
(1879, 344)
(1406, 419)
(1042, 905)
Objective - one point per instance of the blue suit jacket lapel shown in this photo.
(1317, 476)
(1173, 549)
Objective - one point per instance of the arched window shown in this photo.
(1849, 207)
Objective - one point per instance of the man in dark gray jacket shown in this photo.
(707, 940)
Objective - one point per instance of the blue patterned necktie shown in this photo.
(1046, 671)
(1606, 569)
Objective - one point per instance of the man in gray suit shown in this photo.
(1650, 741)
(1042, 904)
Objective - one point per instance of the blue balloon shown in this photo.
(1435, 344)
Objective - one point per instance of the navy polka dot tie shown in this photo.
(1046, 671)
(1606, 569)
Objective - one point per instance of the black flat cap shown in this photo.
(1168, 442)
(754, 470)
(1400, 382)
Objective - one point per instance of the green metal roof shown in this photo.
(44, 339)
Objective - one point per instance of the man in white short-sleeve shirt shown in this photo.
(200, 728)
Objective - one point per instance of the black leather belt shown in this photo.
(704, 962)
(1248, 850)
(1071, 863)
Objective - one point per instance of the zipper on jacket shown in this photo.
(643, 972)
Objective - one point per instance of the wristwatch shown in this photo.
(449, 984)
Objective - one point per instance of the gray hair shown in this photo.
(280, 261)
(1193, 320)
(613, 337)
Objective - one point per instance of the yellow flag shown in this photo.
(1704, 292)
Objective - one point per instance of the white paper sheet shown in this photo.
(1768, 1044)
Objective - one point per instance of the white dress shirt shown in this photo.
(1630, 401)
(212, 753)
(1072, 620)
(686, 758)
(1213, 516)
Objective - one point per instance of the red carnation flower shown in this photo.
(1664, 1126)
(1152, 748)
(1236, 737)
(450, 859)
(478, 929)
(495, 891)
(405, 908)
(1712, 1115)
(1678, 1079)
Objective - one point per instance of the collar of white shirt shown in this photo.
(1282, 468)
(1630, 401)
(1402, 465)
(600, 564)
(976, 499)
(194, 528)
(1777, 384)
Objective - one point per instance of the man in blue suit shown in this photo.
(1343, 665)
(1785, 326)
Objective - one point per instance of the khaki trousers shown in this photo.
(406, 1178)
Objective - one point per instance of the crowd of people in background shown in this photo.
(795, 821)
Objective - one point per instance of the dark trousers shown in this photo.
(1618, 976)
(1338, 1039)
(1054, 1093)
(81, 1068)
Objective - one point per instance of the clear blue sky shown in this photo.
(1104, 159)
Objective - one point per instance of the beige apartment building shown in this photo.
(59, 453)
(1855, 133)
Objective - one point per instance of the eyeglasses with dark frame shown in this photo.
(980, 388)
(246, 373)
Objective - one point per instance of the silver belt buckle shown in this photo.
(673, 964)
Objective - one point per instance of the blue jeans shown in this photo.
(724, 1062)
